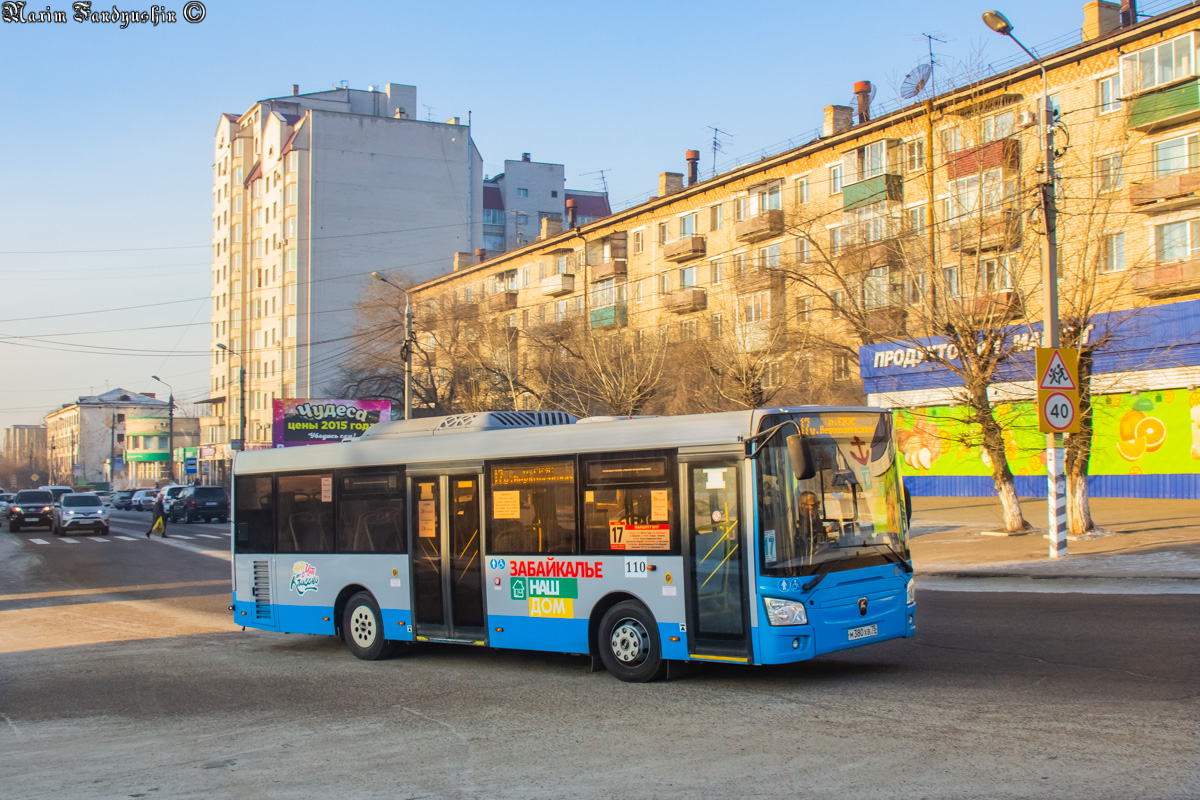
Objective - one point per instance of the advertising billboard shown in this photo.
(301, 421)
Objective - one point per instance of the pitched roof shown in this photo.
(493, 198)
(589, 205)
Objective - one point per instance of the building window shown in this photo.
(687, 225)
(835, 179)
(664, 232)
(1176, 155)
(914, 219)
(714, 218)
(290, 259)
(950, 281)
(522, 192)
(1176, 241)
(664, 283)
(914, 155)
(1108, 93)
(687, 278)
(841, 368)
(803, 250)
(290, 194)
(802, 190)
(804, 309)
(689, 330)
(493, 242)
(717, 270)
(741, 206)
(871, 160)
(493, 216)
(769, 198)
(505, 281)
(875, 288)
(836, 240)
(739, 265)
(770, 257)
(998, 127)
(997, 275)
(608, 293)
(1112, 253)
(639, 243)
(717, 327)
(1156, 66)
(554, 193)
(755, 307)
(1108, 173)
(289, 227)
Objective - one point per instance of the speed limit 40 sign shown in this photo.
(1058, 390)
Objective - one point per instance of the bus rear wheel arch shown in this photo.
(362, 628)
(628, 642)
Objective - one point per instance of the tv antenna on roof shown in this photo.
(717, 144)
(602, 179)
(915, 81)
(428, 113)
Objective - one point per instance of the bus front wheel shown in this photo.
(362, 628)
(629, 645)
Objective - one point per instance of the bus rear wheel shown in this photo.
(629, 645)
(362, 628)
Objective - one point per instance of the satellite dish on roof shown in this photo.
(915, 81)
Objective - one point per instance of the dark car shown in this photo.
(30, 507)
(123, 500)
(201, 503)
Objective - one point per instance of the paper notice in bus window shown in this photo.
(327, 489)
(426, 491)
(658, 505)
(622, 536)
(589, 497)
(506, 505)
(716, 478)
(427, 519)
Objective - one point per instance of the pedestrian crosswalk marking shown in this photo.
(181, 536)
(69, 541)
(126, 538)
(101, 539)
(209, 536)
(39, 541)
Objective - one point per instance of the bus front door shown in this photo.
(715, 563)
(447, 570)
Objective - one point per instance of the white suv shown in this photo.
(143, 499)
(79, 511)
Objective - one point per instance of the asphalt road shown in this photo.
(122, 675)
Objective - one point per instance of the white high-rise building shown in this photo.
(311, 193)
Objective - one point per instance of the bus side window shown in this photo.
(371, 512)
(532, 508)
(304, 518)
(629, 504)
(254, 514)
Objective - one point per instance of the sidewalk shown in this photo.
(1146, 539)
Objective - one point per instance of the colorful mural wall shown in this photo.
(1149, 435)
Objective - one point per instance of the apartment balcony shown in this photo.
(1165, 280)
(1000, 231)
(759, 279)
(1166, 193)
(685, 249)
(766, 225)
(555, 285)
(502, 301)
(614, 316)
(685, 301)
(1166, 107)
(1003, 154)
(872, 190)
(613, 268)
(996, 307)
(870, 254)
(887, 321)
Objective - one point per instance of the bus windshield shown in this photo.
(850, 508)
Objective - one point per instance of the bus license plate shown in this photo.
(863, 632)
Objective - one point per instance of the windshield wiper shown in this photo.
(896, 558)
(823, 570)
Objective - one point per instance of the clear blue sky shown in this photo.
(106, 133)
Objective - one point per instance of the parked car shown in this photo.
(143, 499)
(122, 500)
(30, 507)
(5, 498)
(57, 491)
(79, 511)
(205, 503)
(168, 494)
(105, 498)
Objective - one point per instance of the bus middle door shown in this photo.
(446, 563)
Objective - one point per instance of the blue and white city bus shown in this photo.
(752, 537)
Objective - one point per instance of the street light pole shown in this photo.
(242, 392)
(170, 429)
(1055, 456)
(406, 349)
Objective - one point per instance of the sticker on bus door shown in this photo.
(623, 536)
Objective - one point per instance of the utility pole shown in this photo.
(406, 348)
(170, 429)
(1055, 456)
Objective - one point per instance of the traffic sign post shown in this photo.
(1058, 413)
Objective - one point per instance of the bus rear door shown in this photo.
(447, 572)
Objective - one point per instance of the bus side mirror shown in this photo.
(802, 466)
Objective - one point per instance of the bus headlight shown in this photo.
(912, 591)
(785, 612)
